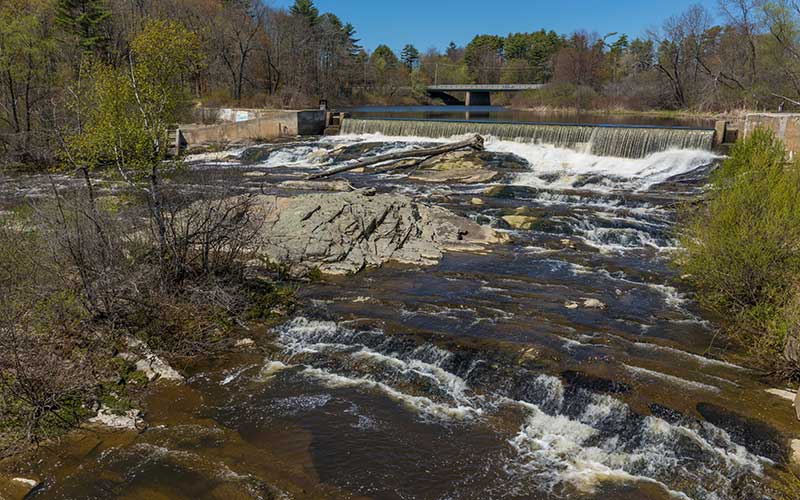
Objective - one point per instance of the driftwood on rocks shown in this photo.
(474, 143)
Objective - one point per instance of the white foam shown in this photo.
(671, 379)
(420, 404)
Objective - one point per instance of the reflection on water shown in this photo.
(503, 114)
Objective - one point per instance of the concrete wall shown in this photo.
(268, 124)
(785, 125)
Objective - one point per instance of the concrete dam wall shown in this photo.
(600, 140)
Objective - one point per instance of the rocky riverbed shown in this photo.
(519, 336)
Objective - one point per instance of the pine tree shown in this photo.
(409, 56)
(84, 19)
(349, 32)
(306, 9)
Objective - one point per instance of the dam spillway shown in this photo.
(600, 140)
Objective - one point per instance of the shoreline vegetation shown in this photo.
(739, 252)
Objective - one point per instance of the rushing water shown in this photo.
(600, 140)
(486, 376)
(504, 114)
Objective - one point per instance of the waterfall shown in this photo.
(600, 140)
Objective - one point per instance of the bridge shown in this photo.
(477, 94)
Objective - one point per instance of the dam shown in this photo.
(600, 140)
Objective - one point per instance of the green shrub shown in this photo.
(740, 249)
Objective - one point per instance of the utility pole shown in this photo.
(436, 75)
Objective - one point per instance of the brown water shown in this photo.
(476, 378)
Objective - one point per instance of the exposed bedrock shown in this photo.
(343, 233)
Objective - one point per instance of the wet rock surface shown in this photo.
(343, 233)
(757, 437)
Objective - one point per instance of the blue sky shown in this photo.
(434, 23)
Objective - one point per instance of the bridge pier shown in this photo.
(478, 98)
(477, 94)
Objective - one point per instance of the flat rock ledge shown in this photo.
(343, 233)
(17, 488)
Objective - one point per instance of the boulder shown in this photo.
(17, 488)
(335, 185)
(526, 222)
(593, 304)
(342, 233)
(148, 363)
(469, 159)
(460, 176)
(499, 192)
(463, 167)
(246, 342)
(456, 160)
(257, 154)
(130, 420)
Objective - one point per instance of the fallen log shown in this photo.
(475, 143)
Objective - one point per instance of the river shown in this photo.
(571, 363)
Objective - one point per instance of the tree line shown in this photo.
(257, 55)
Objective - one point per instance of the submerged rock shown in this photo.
(758, 437)
(342, 233)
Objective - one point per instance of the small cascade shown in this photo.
(599, 140)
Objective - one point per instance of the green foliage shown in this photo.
(740, 250)
(483, 54)
(409, 56)
(84, 19)
(130, 111)
(307, 10)
(383, 57)
(533, 51)
(269, 300)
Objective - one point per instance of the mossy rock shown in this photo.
(256, 155)
(525, 222)
(499, 192)
(526, 211)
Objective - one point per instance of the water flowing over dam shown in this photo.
(599, 140)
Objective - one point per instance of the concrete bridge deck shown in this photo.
(500, 87)
(477, 94)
